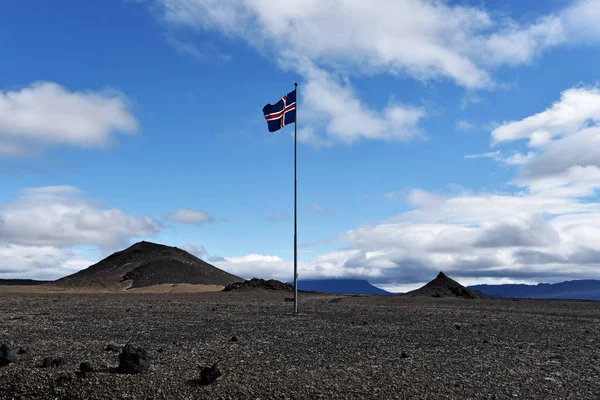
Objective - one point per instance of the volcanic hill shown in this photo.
(259, 284)
(443, 286)
(145, 265)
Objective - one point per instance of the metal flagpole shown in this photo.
(295, 213)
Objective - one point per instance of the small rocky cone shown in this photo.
(209, 374)
(132, 360)
(443, 286)
(7, 355)
(86, 367)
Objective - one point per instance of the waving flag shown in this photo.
(281, 113)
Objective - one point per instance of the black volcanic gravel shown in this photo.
(410, 348)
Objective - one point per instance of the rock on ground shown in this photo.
(133, 360)
(209, 374)
(7, 355)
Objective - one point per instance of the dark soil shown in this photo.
(147, 264)
(443, 286)
(21, 282)
(409, 348)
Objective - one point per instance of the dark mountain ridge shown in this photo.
(585, 289)
(340, 286)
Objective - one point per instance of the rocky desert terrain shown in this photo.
(338, 347)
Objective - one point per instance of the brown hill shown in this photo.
(148, 264)
(442, 286)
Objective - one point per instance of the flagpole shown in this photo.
(295, 211)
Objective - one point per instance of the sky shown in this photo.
(458, 136)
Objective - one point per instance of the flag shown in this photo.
(281, 113)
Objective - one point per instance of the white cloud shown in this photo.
(463, 125)
(329, 41)
(576, 109)
(581, 21)
(46, 114)
(278, 217)
(566, 136)
(39, 262)
(347, 119)
(514, 158)
(253, 258)
(206, 53)
(490, 154)
(422, 38)
(318, 210)
(256, 266)
(199, 251)
(193, 217)
(60, 216)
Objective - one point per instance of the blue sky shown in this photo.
(430, 136)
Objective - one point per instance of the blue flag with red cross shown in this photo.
(281, 113)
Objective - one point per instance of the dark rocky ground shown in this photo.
(338, 348)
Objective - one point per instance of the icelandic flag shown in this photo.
(281, 113)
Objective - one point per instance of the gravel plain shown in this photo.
(338, 347)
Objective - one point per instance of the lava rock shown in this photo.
(209, 374)
(86, 367)
(7, 355)
(132, 360)
(112, 347)
(50, 362)
(255, 283)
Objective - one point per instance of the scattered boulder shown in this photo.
(132, 360)
(86, 366)
(209, 374)
(7, 355)
(112, 347)
(50, 362)
(256, 283)
(404, 355)
(22, 350)
(457, 326)
(234, 339)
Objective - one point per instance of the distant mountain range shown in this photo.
(569, 290)
(341, 286)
